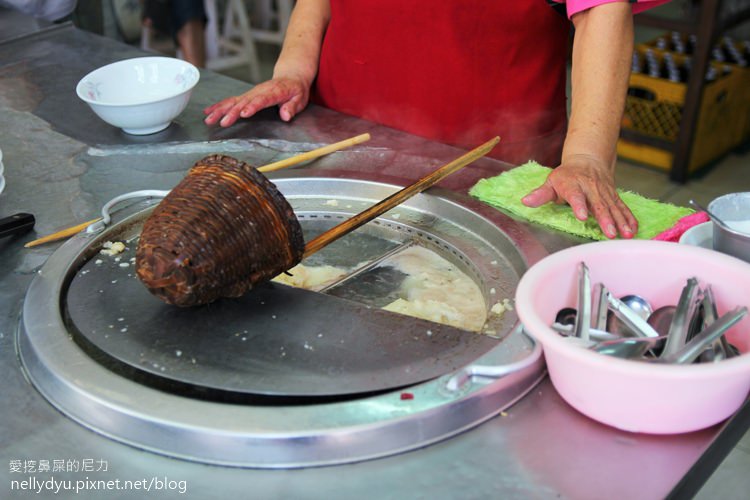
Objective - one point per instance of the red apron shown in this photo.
(455, 71)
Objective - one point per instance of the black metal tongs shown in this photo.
(16, 224)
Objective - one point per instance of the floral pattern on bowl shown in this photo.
(92, 90)
(186, 79)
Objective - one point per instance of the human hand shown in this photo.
(588, 186)
(290, 94)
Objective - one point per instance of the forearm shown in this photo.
(300, 52)
(602, 53)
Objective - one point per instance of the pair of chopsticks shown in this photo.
(397, 198)
(288, 162)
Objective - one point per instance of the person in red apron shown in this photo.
(461, 71)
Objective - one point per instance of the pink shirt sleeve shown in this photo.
(575, 6)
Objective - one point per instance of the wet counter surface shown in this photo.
(62, 164)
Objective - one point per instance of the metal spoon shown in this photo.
(678, 330)
(661, 318)
(566, 330)
(583, 318)
(630, 318)
(602, 307)
(695, 347)
(628, 348)
(719, 348)
(566, 316)
(639, 306)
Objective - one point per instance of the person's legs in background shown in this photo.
(189, 18)
(185, 21)
(192, 42)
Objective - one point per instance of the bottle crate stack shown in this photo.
(656, 97)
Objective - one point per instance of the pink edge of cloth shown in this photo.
(575, 6)
(673, 233)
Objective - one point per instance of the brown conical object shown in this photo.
(220, 231)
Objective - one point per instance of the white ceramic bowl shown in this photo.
(142, 95)
(701, 235)
(632, 395)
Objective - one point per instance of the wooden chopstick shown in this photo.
(397, 198)
(315, 153)
(61, 234)
(288, 162)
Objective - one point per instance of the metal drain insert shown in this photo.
(274, 341)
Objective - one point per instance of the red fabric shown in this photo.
(455, 71)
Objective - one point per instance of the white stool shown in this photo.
(265, 12)
(234, 43)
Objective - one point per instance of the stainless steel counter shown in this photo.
(62, 164)
(16, 23)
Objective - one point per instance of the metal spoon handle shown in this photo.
(583, 318)
(719, 348)
(678, 330)
(631, 318)
(595, 334)
(695, 347)
(602, 307)
(628, 348)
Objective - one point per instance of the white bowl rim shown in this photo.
(84, 98)
(524, 294)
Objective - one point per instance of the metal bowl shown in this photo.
(734, 210)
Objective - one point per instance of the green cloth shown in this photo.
(506, 190)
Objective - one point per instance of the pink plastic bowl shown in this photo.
(632, 395)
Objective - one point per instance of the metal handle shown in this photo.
(690, 351)
(683, 315)
(106, 217)
(632, 319)
(582, 324)
(16, 224)
(460, 378)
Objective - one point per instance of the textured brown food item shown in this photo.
(221, 230)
